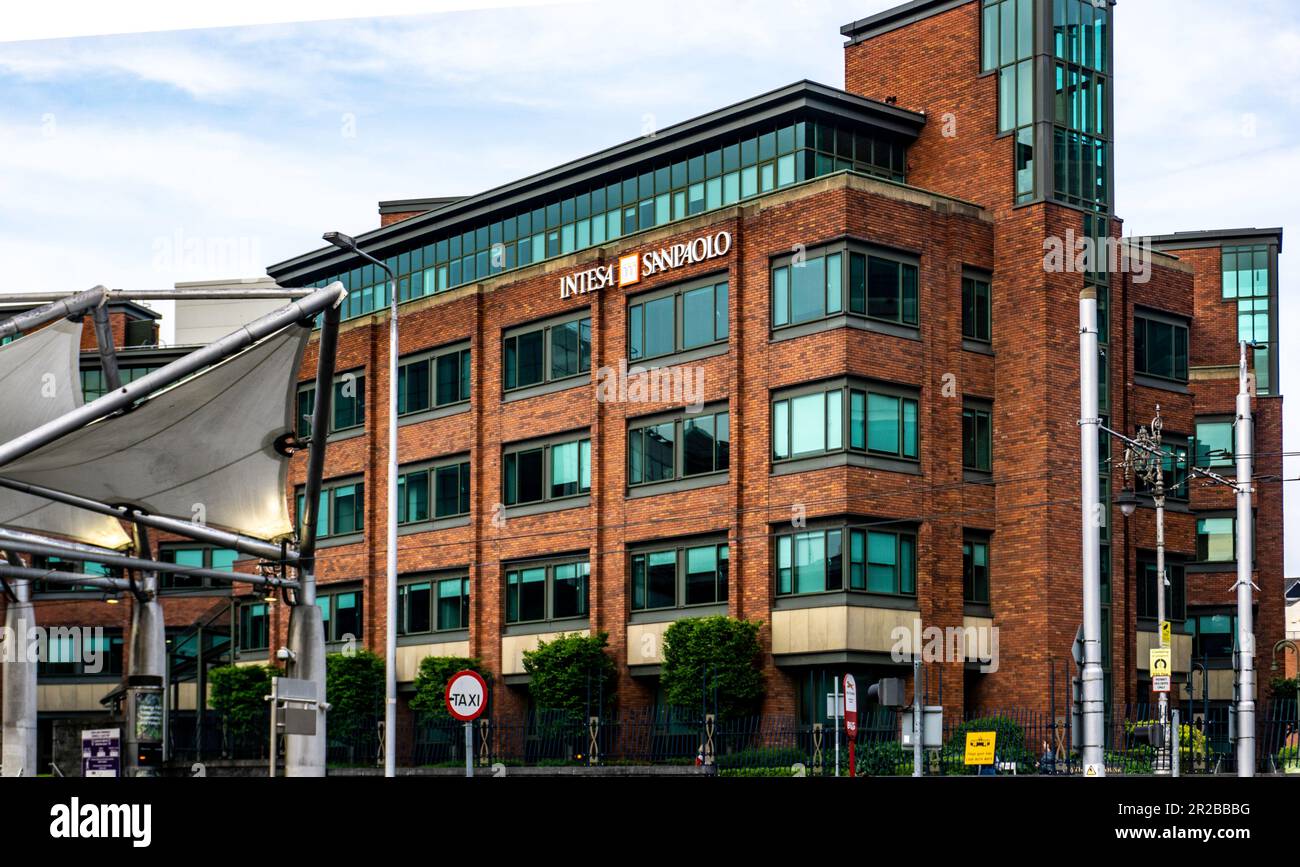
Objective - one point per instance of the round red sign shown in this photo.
(466, 695)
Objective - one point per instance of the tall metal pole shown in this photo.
(1245, 562)
(390, 644)
(917, 708)
(345, 242)
(18, 701)
(1090, 508)
(304, 755)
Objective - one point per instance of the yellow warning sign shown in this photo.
(1166, 632)
(979, 747)
(1160, 662)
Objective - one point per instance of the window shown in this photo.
(1213, 635)
(975, 570)
(676, 448)
(652, 322)
(1216, 540)
(433, 605)
(445, 484)
(976, 309)
(433, 380)
(1081, 102)
(81, 651)
(253, 623)
(874, 421)
(58, 564)
(680, 576)
(93, 385)
(1247, 279)
(341, 614)
(553, 591)
(1175, 592)
(879, 287)
(348, 410)
(813, 561)
(342, 509)
(221, 559)
(1159, 348)
(1008, 49)
(544, 353)
(1215, 444)
(733, 167)
(546, 471)
(977, 439)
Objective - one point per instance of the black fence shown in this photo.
(1027, 742)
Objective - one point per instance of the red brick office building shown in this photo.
(857, 402)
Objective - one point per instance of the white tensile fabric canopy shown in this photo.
(40, 381)
(201, 450)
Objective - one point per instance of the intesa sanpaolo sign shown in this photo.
(632, 267)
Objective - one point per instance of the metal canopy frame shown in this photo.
(307, 754)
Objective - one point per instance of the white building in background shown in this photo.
(201, 322)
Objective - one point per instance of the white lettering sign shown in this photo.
(634, 266)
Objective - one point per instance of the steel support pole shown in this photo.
(917, 708)
(148, 648)
(28, 573)
(1092, 515)
(104, 345)
(1245, 562)
(58, 307)
(390, 582)
(127, 395)
(199, 532)
(229, 292)
(304, 755)
(45, 549)
(18, 703)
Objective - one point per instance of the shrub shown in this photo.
(239, 697)
(1191, 744)
(884, 759)
(1288, 758)
(722, 652)
(571, 673)
(431, 681)
(354, 688)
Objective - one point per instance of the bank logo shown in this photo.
(629, 269)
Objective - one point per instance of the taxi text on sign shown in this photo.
(466, 695)
(980, 747)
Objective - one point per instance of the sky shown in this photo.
(143, 159)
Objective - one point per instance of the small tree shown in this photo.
(354, 688)
(704, 656)
(572, 673)
(431, 682)
(238, 695)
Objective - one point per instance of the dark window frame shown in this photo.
(545, 327)
(545, 445)
(678, 292)
(430, 469)
(679, 419)
(681, 564)
(847, 388)
(549, 566)
(847, 576)
(848, 250)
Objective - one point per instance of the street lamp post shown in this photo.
(344, 242)
(1144, 459)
